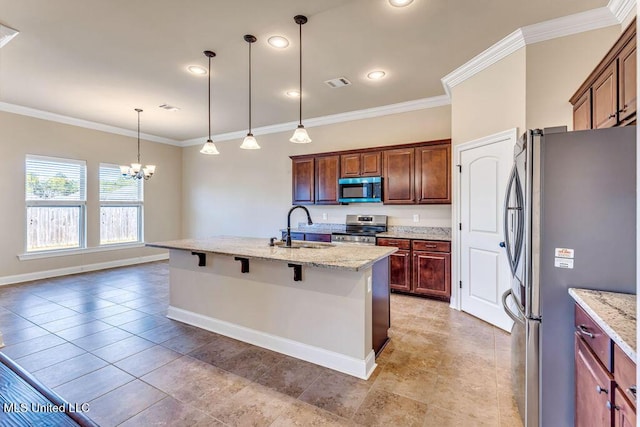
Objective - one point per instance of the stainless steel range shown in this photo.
(361, 229)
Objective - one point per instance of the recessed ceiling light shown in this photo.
(196, 69)
(400, 3)
(293, 93)
(278, 41)
(376, 75)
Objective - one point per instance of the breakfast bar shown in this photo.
(324, 303)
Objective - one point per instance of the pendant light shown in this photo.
(136, 170)
(250, 142)
(300, 136)
(209, 147)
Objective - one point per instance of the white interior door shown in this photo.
(484, 268)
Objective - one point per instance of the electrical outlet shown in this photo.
(416, 218)
(369, 284)
(324, 215)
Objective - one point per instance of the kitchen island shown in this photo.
(324, 303)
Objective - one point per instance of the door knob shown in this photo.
(501, 244)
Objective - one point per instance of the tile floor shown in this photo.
(102, 338)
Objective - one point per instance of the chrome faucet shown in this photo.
(288, 241)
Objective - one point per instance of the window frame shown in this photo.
(81, 204)
(120, 203)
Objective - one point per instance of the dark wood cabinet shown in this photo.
(608, 96)
(420, 267)
(624, 414)
(355, 165)
(327, 172)
(593, 389)
(605, 377)
(605, 98)
(433, 174)
(627, 65)
(582, 112)
(303, 179)
(432, 274)
(398, 172)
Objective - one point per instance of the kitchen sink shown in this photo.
(296, 244)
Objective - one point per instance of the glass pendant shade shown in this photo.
(300, 136)
(250, 143)
(209, 148)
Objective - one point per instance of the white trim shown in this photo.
(82, 251)
(535, 33)
(53, 117)
(384, 110)
(330, 359)
(621, 8)
(455, 232)
(46, 274)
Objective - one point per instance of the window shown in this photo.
(55, 194)
(120, 207)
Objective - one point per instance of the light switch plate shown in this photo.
(324, 215)
(416, 218)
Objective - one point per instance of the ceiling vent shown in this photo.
(338, 82)
(6, 34)
(169, 107)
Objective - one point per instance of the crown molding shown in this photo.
(53, 117)
(621, 8)
(560, 27)
(384, 110)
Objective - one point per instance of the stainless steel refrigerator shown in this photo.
(570, 221)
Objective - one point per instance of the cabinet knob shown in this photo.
(632, 391)
(611, 116)
(601, 390)
(611, 406)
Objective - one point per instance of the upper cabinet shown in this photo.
(355, 165)
(411, 173)
(608, 97)
(399, 176)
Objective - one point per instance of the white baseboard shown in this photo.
(329, 359)
(46, 274)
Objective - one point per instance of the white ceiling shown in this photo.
(97, 60)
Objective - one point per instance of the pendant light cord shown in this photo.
(209, 98)
(300, 69)
(250, 43)
(138, 135)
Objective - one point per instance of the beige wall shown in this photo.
(491, 101)
(21, 135)
(248, 193)
(556, 69)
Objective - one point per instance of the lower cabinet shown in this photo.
(605, 378)
(420, 267)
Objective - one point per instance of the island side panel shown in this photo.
(329, 309)
(381, 300)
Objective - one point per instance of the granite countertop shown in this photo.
(414, 236)
(337, 256)
(614, 312)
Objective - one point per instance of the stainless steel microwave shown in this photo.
(360, 190)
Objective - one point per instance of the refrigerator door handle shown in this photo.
(511, 314)
(507, 241)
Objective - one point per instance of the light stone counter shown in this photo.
(338, 256)
(614, 312)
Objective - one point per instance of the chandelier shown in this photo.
(136, 170)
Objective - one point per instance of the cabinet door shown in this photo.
(605, 96)
(582, 112)
(594, 388)
(431, 274)
(371, 164)
(398, 176)
(303, 174)
(433, 174)
(400, 270)
(327, 174)
(350, 165)
(624, 415)
(627, 65)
